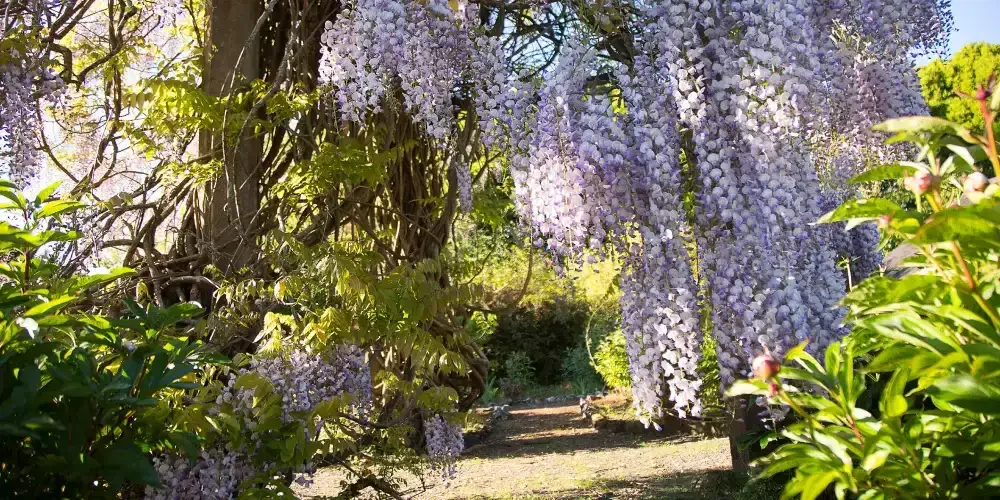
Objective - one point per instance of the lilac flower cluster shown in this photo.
(426, 54)
(771, 278)
(444, 444)
(659, 294)
(303, 379)
(869, 75)
(26, 81)
(779, 97)
(215, 475)
(573, 168)
(777, 94)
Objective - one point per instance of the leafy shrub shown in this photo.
(96, 407)
(542, 333)
(612, 361)
(519, 375)
(578, 370)
(928, 345)
(492, 392)
(83, 397)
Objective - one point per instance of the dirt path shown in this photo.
(547, 451)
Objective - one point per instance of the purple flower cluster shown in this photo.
(659, 294)
(776, 94)
(303, 379)
(425, 54)
(214, 475)
(779, 97)
(572, 176)
(444, 444)
(26, 81)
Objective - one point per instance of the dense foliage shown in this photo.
(926, 345)
(948, 83)
(85, 396)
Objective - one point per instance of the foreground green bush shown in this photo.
(930, 342)
(83, 398)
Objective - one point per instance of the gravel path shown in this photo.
(548, 451)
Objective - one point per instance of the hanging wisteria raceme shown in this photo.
(661, 293)
(760, 84)
(214, 475)
(778, 98)
(869, 75)
(573, 178)
(427, 53)
(26, 81)
(444, 444)
(303, 379)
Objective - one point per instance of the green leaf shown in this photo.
(995, 97)
(867, 209)
(893, 403)
(49, 307)
(968, 392)
(46, 192)
(817, 484)
(15, 197)
(746, 387)
(875, 460)
(124, 461)
(883, 172)
(186, 441)
(54, 208)
(972, 224)
(927, 124)
(796, 352)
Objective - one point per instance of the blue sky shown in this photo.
(975, 21)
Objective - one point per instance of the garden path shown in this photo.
(548, 451)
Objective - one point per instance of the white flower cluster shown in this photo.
(444, 444)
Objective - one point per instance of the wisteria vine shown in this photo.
(760, 109)
(303, 379)
(27, 80)
(444, 444)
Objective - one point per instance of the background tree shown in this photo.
(941, 79)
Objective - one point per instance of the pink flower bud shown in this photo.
(765, 366)
(982, 93)
(884, 221)
(921, 182)
(976, 182)
(772, 389)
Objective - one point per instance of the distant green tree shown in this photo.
(968, 68)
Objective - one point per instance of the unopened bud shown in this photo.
(765, 366)
(884, 221)
(976, 182)
(982, 93)
(921, 182)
